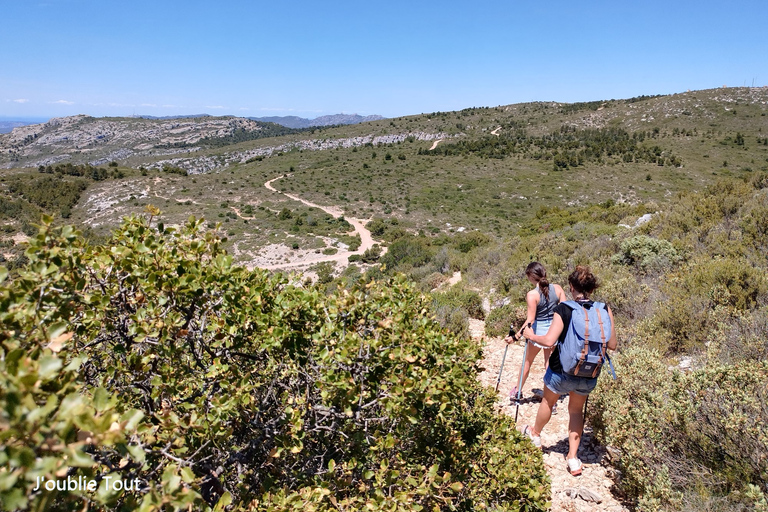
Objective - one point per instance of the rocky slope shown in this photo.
(100, 140)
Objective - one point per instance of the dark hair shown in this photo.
(583, 280)
(539, 274)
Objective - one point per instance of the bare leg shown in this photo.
(575, 423)
(547, 353)
(529, 357)
(544, 413)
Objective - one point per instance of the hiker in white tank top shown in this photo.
(541, 304)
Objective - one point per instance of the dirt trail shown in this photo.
(597, 474)
(496, 131)
(434, 144)
(340, 257)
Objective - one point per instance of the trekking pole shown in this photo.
(515, 338)
(502, 367)
(520, 380)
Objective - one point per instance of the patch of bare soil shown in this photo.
(592, 491)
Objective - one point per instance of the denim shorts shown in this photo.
(540, 328)
(562, 383)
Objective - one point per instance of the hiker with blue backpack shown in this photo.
(581, 332)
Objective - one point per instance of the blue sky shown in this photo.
(258, 58)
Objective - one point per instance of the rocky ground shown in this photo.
(592, 491)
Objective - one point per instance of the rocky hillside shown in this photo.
(205, 143)
(101, 140)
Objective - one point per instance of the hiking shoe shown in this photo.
(513, 395)
(574, 467)
(536, 440)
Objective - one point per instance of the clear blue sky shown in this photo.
(259, 58)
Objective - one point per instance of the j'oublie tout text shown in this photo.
(81, 483)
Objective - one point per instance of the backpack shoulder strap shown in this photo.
(572, 304)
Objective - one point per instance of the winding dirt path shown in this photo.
(341, 257)
(496, 131)
(434, 144)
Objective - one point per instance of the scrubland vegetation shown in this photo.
(142, 350)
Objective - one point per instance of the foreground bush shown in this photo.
(153, 359)
(687, 439)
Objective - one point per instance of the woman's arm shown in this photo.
(532, 298)
(560, 293)
(549, 339)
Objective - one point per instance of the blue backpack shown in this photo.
(583, 351)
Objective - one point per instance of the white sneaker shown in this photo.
(536, 440)
(574, 467)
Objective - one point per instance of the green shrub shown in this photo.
(468, 301)
(212, 384)
(647, 253)
(371, 255)
(433, 280)
(407, 252)
(53, 194)
(499, 319)
(683, 436)
(626, 294)
(701, 294)
(451, 317)
(465, 242)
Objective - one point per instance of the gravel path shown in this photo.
(589, 492)
(341, 257)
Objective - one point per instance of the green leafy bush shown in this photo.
(467, 300)
(499, 319)
(371, 255)
(407, 252)
(647, 253)
(153, 357)
(685, 437)
(704, 292)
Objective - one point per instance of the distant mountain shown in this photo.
(190, 116)
(8, 124)
(300, 122)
